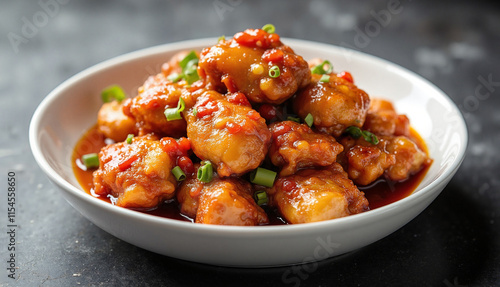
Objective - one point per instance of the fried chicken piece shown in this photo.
(245, 64)
(113, 123)
(312, 195)
(228, 132)
(382, 119)
(137, 174)
(296, 146)
(334, 105)
(226, 201)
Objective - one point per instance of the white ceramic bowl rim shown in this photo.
(233, 230)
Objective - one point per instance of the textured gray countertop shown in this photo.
(454, 44)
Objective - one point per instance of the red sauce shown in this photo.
(380, 193)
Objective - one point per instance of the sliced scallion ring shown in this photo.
(260, 197)
(309, 119)
(325, 79)
(90, 160)
(262, 176)
(111, 93)
(269, 28)
(129, 138)
(205, 171)
(320, 69)
(274, 72)
(173, 114)
(178, 173)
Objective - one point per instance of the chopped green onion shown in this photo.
(111, 93)
(293, 119)
(309, 120)
(260, 197)
(274, 72)
(174, 78)
(205, 171)
(221, 38)
(90, 160)
(320, 69)
(262, 176)
(356, 133)
(195, 111)
(129, 138)
(184, 62)
(178, 173)
(269, 28)
(325, 79)
(173, 114)
(191, 71)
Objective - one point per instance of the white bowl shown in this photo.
(68, 111)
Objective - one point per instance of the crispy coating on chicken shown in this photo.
(312, 195)
(226, 201)
(334, 105)
(138, 175)
(113, 123)
(296, 146)
(241, 65)
(227, 132)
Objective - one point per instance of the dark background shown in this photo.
(454, 44)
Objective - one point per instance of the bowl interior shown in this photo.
(71, 109)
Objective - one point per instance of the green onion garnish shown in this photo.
(189, 65)
(111, 93)
(309, 119)
(205, 171)
(195, 111)
(175, 77)
(325, 79)
(274, 72)
(356, 133)
(262, 176)
(178, 173)
(260, 197)
(129, 138)
(221, 38)
(90, 160)
(320, 69)
(269, 28)
(190, 56)
(293, 119)
(173, 114)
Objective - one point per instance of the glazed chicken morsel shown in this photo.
(226, 201)
(244, 64)
(312, 195)
(137, 174)
(228, 132)
(231, 103)
(296, 146)
(335, 104)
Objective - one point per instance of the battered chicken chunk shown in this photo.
(295, 146)
(221, 201)
(396, 157)
(228, 132)
(255, 63)
(382, 119)
(312, 195)
(113, 123)
(137, 174)
(148, 107)
(334, 105)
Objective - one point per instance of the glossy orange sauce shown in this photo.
(381, 192)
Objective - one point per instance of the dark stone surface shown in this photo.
(454, 44)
